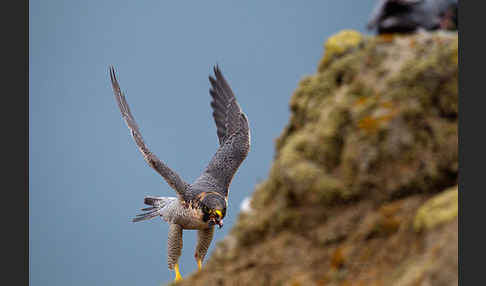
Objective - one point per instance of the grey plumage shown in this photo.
(403, 16)
(202, 204)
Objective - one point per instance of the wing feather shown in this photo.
(170, 176)
(234, 137)
(226, 111)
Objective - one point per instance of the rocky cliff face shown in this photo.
(363, 188)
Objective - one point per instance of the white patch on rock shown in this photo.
(245, 205)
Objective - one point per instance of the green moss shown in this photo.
(371, 133)
(430, 77)
(366, 126)
(440, 209)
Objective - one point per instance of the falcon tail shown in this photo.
(157, 204)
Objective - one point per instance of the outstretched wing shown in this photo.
(170, 176)
(234, 137)
(226, 111)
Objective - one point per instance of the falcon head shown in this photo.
(213, 207)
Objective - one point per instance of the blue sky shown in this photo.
(86, 176)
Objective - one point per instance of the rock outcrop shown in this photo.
(363, 187)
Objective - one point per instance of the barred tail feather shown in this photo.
(147, 216)
(156, 203)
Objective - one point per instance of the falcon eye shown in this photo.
(206, 210)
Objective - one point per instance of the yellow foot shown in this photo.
(178, 276)
(199, 264)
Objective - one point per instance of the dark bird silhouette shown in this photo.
(406, 16)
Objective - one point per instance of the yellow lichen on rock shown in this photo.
(340, 43)
(440, 209)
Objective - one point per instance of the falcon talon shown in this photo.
(178, 276)
(202, 204)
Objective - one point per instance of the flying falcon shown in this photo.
(202, 204)
(405, 16)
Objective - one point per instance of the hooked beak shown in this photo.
(217, 222)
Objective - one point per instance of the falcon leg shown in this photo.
(174, 247)
(204, 238)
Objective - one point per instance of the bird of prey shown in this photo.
(202, 204)
(405, 16)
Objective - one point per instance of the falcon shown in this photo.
(201, 205)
